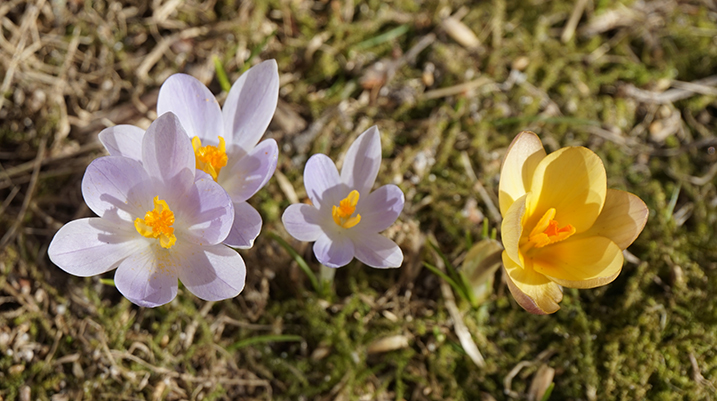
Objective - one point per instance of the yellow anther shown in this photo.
(546, 232)
(342, 213)
(157, 223)
(210, 159)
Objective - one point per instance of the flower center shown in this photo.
(342, 213)
(210, 159)
(157, 223)
(547, 231)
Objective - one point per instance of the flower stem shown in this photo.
(326, 275)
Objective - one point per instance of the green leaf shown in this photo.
(300, 261)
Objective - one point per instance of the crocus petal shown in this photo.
(250, 105)
(362, 161)
(194, 105)
(148, 278)
(334, 252)
(322, 181)
(92, 246)
(533, 291)
(573, 181)
(204, 212)
(516, 174)
(211, 273)
(581, 263)
(302, 222)
(246, 227)
(123, 140)
(512, 228)
(168, 155)
(380, 209)
(377, 251)
(251, 172)
(117, 188)
(622, 218)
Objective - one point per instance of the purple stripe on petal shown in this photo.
(117, 188)
(246, 227)
(380, 209)
(362, 161)
(148, 278)
(378, 251)
(205, 212)
(250, 105)
(302, 222)
(322, 182)
(334, 252)
(195, 106)
(92, 246)
(123, 140)
(167, 154)
(251, 172)
(212, 273)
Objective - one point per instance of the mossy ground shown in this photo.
(610, 80)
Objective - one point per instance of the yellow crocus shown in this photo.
(561, 226)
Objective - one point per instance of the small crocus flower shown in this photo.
(225, 141)
(561, 226)
(160, 220)
(345, 217)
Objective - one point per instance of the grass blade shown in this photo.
(271, 338)
(300, 261)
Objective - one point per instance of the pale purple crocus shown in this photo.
(226, 141)
(160, 219)
(345, 217)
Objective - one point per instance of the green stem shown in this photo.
(327, 278)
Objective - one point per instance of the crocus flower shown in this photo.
(160, 220)
(561, 226)
(224, 140)
(345, 216)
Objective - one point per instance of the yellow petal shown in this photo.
(582, 263)
(516, 174)
(512, 228)
(572, 180)
(622, 218)
(533, 291)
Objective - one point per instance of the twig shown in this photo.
(28, 195)
(457, 89)
(683, 90)
(569, 30)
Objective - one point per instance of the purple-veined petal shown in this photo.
(251, 172)
(92, 246)
(117, 188)
(205, 212)
(194, 105)
(123, 140)
(212, 273)
(246, 227)
(167, 154)
(250, 105)
(377, 251)
(322, 182)
(380, 209)
(302, 222)
(362, 161)
(334, 252)
(148, 278)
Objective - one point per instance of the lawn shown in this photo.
(449, 85)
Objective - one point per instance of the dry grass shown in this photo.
(449, 86)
